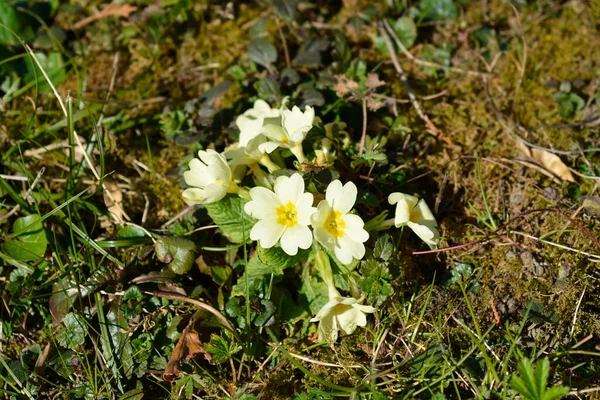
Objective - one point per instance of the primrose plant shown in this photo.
(296, 226)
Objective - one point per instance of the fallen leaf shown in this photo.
(591, 205)
(373, 103)
(40, 363)
(113, 199)
(188, 346)
(550, 162)
(373, 81)
(344, 85)
(120, 10)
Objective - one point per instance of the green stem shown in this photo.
(267, 162)
(261, 177)
(298, 152)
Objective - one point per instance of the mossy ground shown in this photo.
(172, 55)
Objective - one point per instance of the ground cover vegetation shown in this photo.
(285, 199)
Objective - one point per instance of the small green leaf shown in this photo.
(438, 9)
(229, 214)
(261, 51)
(30, 242)
(222, 348)
(404, 28)
(532, 382)
(73, 333)
(255, 272)
(131, 231)
(383, 248)
(134, 394)
(9, 18)
(279, 259)
(178, 252)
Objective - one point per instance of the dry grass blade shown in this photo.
(113, 9)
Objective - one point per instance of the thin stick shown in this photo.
(196, 303)
(560, 246)
(309, 360)
(284, 43)
(416, 60)
(390, 47)
(576, 312)
(364, 128)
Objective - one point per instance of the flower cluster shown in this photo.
(285, 213)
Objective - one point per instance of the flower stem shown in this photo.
(261, 177)
(378, 223)
(267, 162)
(324, 267)
(298, 152)
(240, 191)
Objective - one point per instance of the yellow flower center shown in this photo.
(287, 215)
(415, 214)
(335, 224)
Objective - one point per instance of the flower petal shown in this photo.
(343, 253)
(267, 231)
(214, 192)
(263, 203)
(275, 133)
(294, 237)
(425, 213)
(354, 228)
(428, 234)
(349, 319)
(289, 189)
(328, 329)
(355, 249)
(342, 198)
(197, 174)
(402, 212)
(268, 147)
(193, 196)
(304, 208)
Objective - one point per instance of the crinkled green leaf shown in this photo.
(255, 272)
(286, 8)
(30, 243)
(221, 348)
(72, 335)
(261, 51)
(310, 52)
(229, 214)
(9, 18)
(119, 352)
(383, 248)
(267, 318)
(279, 259)
(404, 28)
(438, 9)
(533, 380)
(178, 252)
(313, 293)
(133, 394)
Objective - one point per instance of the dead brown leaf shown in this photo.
(188, 346)
(344, 85)
(373, 81)
(550, 162)
(374, 104)
(113, 9)
(114, 201)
